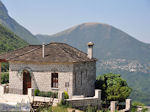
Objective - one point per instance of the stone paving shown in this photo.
(15, 102)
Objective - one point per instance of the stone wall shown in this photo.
(76, 79)
(84, 76)
(41, 76)
(15, 82)
(83, 103)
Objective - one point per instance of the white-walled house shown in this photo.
(52, 67)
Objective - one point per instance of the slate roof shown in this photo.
(54, 53)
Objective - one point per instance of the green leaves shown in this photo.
(9, 41)
(5, 78)
(113, 87)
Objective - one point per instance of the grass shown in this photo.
(55, 109)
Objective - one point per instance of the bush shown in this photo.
(136, 104)
(5, 78)
(66, 95)
(63, 102)
(37, 92)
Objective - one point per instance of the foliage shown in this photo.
(112, 44)
(37, 92)
(9, 41)
(136, 80)
(113, 87)
(91, 109)
(55, 109)
(5, 78)
(10, 23)
(136, 104)
(66, 96)
(5, 67)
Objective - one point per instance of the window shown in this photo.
(81, 78)
(75, 79)
(86, 73)
(54, 80)
(66, 84)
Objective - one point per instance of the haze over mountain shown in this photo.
(116, 51)
(110, 42)
(15, 27)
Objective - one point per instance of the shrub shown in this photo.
(66, 96)
(5, 78)
(37, 92)
(136, 104)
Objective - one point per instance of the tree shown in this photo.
(113, 87)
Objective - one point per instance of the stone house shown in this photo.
(53, 67)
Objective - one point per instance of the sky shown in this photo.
(52, 16)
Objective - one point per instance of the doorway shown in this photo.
(26, 81)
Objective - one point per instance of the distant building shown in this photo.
(51, 67)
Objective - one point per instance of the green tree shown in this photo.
(113, 87)
(5, 78)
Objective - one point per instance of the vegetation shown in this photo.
(55, 109)
(138, 81)
(9, 41)
(10, 23)
(5, 78)
(113, 87)
(91, 109)
(138, 104)
(111, 43)
(5, 67)
(37, 92)
(66, 96)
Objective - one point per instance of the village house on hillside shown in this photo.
(51, 67)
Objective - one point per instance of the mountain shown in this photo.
(9, 41)
(116, 52)
(15, 27)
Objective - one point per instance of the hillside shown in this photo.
(9, 41)
(116, 51)
(15, 27)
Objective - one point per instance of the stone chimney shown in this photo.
(43, 50)
(90, 50)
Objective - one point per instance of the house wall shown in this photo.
(84, 76)
(41, 76)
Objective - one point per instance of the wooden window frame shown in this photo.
(54, 80)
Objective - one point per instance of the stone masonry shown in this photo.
(84, 76)
(79, 77)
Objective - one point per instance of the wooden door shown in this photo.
(26, 82)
